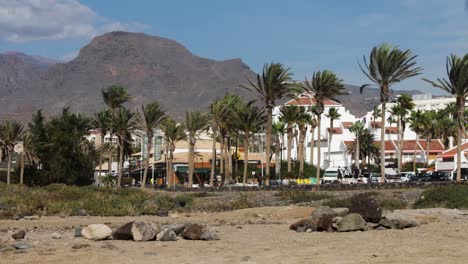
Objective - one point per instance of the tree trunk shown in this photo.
(319, 121)
(330, 135)
(222, 157)
(459, 135)
(428, 148)
(170, 173)
(382, 145)
(290, 140)
(268, 145)
(312, 145)
(121, 158)
(229, 160)
(400, 144)
(356, 152)
(414, 153)
(148, 151)
(213, 159)
(246, 157)
(277, 155)
(22, 169)
(302, 135)
(100, 160)
(10, 154)
(191, 161)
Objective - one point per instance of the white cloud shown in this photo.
(28, 20)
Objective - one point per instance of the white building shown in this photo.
(341, 133)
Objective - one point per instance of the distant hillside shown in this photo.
(151, 67)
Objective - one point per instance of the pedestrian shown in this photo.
(356, 172)
(340, 174)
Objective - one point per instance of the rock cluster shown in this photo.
(362, 216)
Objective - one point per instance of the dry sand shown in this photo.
(259, 235)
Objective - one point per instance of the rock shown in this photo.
(82, 212)
(78, 232)
(80, 246)
(177, 228)
(337, 219)
(322, 210)
(193, 232)
(56, 235)
(166, 235)
(124, 232)
(144, 231)
(367, 208)
(351, 222)
(162, 213)
(31, 217)
(96, 232)
(380, 228)
(303, 225)
(22, 245)
(325, 223)
(386, 223)
(399, 221)
(19, 235)
(341, 211)
(209, 234)
(370, 226)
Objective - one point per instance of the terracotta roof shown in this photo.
(307, 101)
(435, 145)
(389, 146)
(346, 125)
(336, 130)
(409, 146)
(451, 152)
(375, 124)
(391, 130)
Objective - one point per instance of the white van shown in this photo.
(330, 175)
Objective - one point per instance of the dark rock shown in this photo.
(22, 245)
(78, 232)
(193, 232)
(19, 235)
(162, 213)
(323, 210)
(124, 232)
(325, 223)
(304, 225)
(177, 228)
(144, 231)
(367, 208)
(82, 212)
(351, 222)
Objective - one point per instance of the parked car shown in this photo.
(392, 178)
(330, 175)
(421, 177)
(374, 178)
(406, 176)
(440, 176)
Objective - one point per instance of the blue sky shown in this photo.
(304, 35)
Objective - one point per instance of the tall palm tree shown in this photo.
(278, 129)
(289, 115)
(249, 119)
(457, 85)
(367, 147)
(332, 114)
(376, 113)
(358, 129)
(323, 85)
(11, 133)
(303, 118)
(28, 154)
(195, 123)
(173, 133)
(114, 97)
(407, 105)
(388, 65)
(149, 119)
(416, 121)
(101, 122)
(123, 125)
(273, 85)
(313, 126)
(398, 111)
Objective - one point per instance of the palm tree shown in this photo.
(398, 111)
(358, 129)
(313, 125)
(323, 85)
(173, 133)
(406, 106)
(388, 65)
(303, 118)
(333, 114)
(123, 125)
(289, 115)
(376, 113)
(28, 154)
(11, 133)
(195, 123)
(367, 147)
(249, 120)
(457, 85)
(278, 129)
(150, 118)
(114, 97)
(101, 122)
(271, 86)
(416, 121)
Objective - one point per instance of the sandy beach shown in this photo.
(257, 235)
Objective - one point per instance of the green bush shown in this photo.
(302, 196)
(392, 204)
(446, 196)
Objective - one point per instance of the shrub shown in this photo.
(392, 204)
(446, 196)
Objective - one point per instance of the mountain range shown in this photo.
(151, 67)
